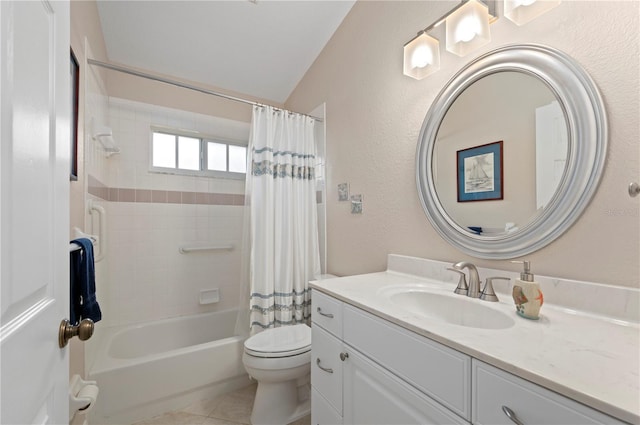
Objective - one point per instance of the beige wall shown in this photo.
(374, 115)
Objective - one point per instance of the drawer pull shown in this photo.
(510, 414)
(344, 356)
(329, 315)
(326, 369)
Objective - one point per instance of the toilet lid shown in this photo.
(280, 342)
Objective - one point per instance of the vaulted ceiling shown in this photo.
(261, 48)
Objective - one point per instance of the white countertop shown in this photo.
(590, 358)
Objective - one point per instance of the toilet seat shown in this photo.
(285, 341)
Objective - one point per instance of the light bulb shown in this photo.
(421, 57)
(523, 11)
(467, 29)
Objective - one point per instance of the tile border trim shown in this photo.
(115, 194)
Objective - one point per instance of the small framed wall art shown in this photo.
(343, 192)
(480, 173)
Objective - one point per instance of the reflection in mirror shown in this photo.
(521, 111)
(530, 125)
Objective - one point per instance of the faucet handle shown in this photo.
(488, 294)
(462, 287)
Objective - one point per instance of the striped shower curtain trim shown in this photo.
(269, 310)
(265, 321)
(276, 153)
(281, 294)
(281, 307)
(275, 323)
(267, 167)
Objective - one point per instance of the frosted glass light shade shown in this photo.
(468, 28)
(421, 56)
(523, 11)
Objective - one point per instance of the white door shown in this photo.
(551, 151)
(34, 210)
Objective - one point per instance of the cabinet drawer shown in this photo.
(326, 366)
(321, 411)
(440, 372)
(327, 312)
(532, 404)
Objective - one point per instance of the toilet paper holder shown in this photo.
(82, 395)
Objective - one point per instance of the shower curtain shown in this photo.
(283, 224)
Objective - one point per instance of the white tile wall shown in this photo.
(96, 116)
(148, 278)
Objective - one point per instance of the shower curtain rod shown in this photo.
(130, 71)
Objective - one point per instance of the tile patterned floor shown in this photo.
(229, 409)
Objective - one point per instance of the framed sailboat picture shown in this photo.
(480, 176)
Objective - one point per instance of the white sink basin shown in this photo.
(451, 308)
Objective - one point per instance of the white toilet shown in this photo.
(279, 359)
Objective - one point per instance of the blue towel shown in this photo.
(83, 303)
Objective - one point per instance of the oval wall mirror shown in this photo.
(511, 151)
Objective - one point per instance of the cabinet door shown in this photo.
(374, 396)
(440, 372)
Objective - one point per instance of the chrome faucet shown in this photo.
(474, 279)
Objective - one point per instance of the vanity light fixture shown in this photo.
(421, 56)
(467, 28)
(523, 11)
(469, 22)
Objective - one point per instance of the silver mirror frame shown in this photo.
(587, 135)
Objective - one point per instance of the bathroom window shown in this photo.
(182, 153)
(223, 156)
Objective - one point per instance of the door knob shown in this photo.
(83, 330)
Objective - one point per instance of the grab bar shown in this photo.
(188, 249)
(102, 228)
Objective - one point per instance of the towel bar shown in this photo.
(80, 234)
(188, 249)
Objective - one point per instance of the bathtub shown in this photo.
(147, 369)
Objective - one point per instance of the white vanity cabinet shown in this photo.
(351, 388)
(367, 370)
